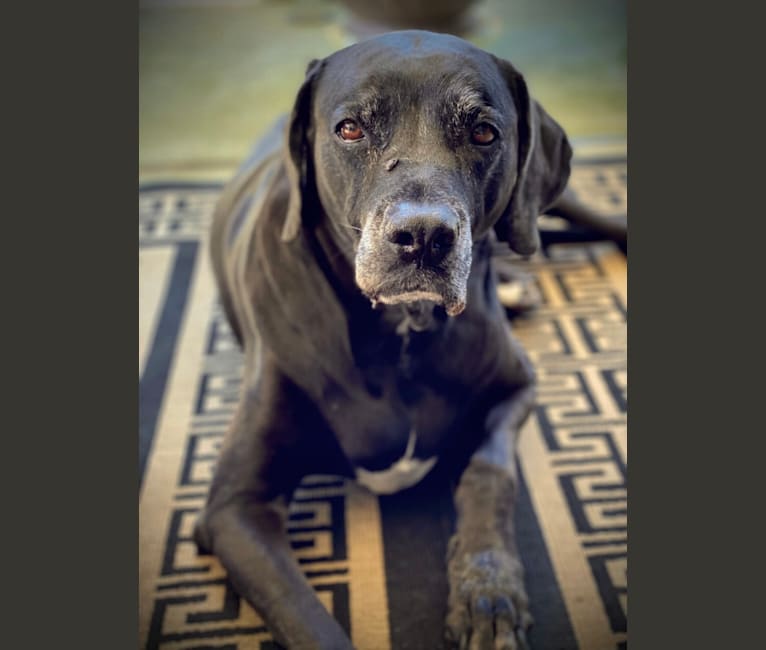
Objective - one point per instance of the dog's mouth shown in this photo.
(408, 286)
(452, 307)
(451, 297)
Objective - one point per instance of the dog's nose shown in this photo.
(421, 233)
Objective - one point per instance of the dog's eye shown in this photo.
(483, 134)
(349, 130)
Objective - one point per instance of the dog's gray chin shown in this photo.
(453, 307)
(410, 296)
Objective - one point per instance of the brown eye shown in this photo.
(483, 134)
(349, 130)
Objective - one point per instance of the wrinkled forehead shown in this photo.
(409, 69)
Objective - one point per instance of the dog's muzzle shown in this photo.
(417, 251)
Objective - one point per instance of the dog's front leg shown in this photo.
(251, 542)
(488, 607)
(245, 520)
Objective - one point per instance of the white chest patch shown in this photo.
(404, 473)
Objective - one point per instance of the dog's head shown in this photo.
(417, 144)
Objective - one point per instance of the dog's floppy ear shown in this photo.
(298, 154)
(543, 167)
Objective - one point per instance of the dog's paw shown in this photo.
(488, 607)
(516, 289)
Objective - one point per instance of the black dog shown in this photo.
(354, 266)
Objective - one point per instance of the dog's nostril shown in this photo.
(424, 234)
(402, 238)
(442, 240)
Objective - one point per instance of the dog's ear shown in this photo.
(543, 167)
(298, 154)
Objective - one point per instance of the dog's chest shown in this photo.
(393, 443)
(394, 430)
(404, 473)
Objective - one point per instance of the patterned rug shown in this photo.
(378, 563)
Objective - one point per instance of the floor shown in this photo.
(213, 74)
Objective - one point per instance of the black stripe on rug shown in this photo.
(153, 381)
(417, 525)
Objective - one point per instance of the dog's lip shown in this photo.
(409, 296)
(452, 307)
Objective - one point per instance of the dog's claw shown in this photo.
(521, 635)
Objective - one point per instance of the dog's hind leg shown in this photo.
(568, 207)
(488, 606)
(245, 520)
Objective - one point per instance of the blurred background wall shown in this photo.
(213, 74)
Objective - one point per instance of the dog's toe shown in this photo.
(488, 607)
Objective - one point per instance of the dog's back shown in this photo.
(235, 217)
